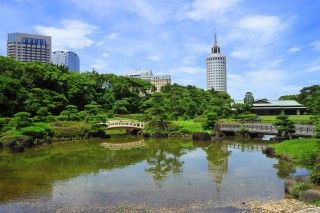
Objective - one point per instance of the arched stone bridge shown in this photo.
(125, 124)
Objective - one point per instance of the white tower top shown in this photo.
(216, 68)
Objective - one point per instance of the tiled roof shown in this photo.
(287, 103)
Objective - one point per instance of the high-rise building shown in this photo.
(66, 58)
(216, 69)
(157, 80)
(29, 47)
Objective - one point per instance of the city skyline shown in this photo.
(272, 49)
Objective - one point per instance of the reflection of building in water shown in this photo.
(246, 145)
(123, 146)
(217, 156)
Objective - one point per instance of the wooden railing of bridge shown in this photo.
(266, 128)
(123, 124)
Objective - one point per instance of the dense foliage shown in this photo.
(43, 90)
(284, 125)
(309, 96)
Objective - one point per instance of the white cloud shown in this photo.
(261, 23)
(254, 37)
(316, 45)
(105, 54)
(294, 50)
(202, 9)
(112, 36)
(73, 34)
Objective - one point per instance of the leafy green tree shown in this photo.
(248, 99)
(107, 100)
(121, 106)
(211, 119)
(92, 108)
(285, 126)
(288, 97)
(20, 120)
(158, 113)
(318, 130)
(43, 113)
(37, 98)
(11, 95)
(71, 113)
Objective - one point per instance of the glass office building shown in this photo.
(66, 58)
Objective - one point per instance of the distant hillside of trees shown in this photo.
(309, 96)
(39, 88)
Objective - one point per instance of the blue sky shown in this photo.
(272, 47)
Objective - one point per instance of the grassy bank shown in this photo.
(189, 126)
(298, 119)
(303, 150)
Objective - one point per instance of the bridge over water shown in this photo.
(265, 128)
(125, 124)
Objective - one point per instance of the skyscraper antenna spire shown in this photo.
(215, 37)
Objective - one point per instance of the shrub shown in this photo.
(184, 131)
(69, 130)
(35, 132)
(243, 131)
(20, 120)
(14, 138)
(315, 175)
(300, 188)
(97, 131)
(318, 130)
(308, 157)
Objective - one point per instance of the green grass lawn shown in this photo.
(189, 125)
(298, 119)
(302, 150)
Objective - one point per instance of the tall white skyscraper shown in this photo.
(216, 69)
(66, 58)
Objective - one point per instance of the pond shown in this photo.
(127, 173)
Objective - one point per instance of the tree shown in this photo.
(43, 113)
(20, 120)
(121, 106)
(285, 126)
(11, 95)
(318, 130)
(248, 99)
(289, 97)
(71, 113)
(211, 119)
(157, 114)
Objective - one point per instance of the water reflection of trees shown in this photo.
(217, 156)
(284, 168)
(164, 158)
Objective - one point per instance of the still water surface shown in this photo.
(135, 173)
